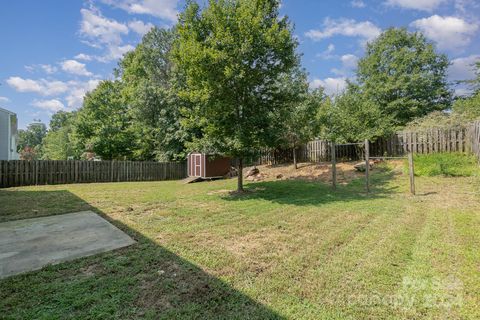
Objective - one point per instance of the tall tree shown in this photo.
(404, 75)
(469, 106)
(60, 119)
(147, 78)
(104, 123)
(58, 144)
(29, 143)
(300, 123)
(232, 55)
(353, 118)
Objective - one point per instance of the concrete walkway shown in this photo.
(30, 244)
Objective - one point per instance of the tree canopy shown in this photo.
(232, 55)
(29, 144)
(103, 123)
(299, 121)
(352, 118)
(404, 76)
(469, 106)
(147, 77)
(57, 144)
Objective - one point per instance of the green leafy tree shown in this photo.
(147, 78)
(29, 144)
(58, 144)
(232, 55)
(440, 119)
(469, 107)
(404, 76)
(103, 124)
(60, 119)
(300, 123)
(353, 118)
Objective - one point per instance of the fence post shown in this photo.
(411, 172)
(367, 165)
(334, 166)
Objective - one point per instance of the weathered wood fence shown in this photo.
(475, 139)
(23, 173)
(424, 142)
(399, 144)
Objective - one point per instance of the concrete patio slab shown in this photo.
(27, 245)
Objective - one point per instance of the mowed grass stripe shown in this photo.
(349, 269)
(466, 224)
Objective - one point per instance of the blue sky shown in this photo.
(56, 50)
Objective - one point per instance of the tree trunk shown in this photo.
(295, 158)
(240, 175)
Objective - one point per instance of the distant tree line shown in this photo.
(227, 79)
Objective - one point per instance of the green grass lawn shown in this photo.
(454, 164)
(285, 250)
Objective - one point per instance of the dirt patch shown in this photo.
(307, 171)
(92, 270)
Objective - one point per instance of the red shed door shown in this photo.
(197, 163)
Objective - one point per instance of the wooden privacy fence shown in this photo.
(313, 151)
(424, 142)
(475, 139)
(24, 173)
(399, 144)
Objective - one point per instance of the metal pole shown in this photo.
(334, 166)
(367, 165)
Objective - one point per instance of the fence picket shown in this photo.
(15, 173)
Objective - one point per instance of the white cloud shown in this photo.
(345, 27)
(349, 61)
(84, 57)
(140, 27)
(332, 86)
(463, 68)
(75, 67)
(49, 69)
(30, 68)
(78, 90)
(24, 85)
(72, 91)
(104, 33)
(115, 53)
(165, 9)
(98, 28)
(448, 32)
(41, 86)
(328, 53)
(424, 5)
(53, 87)
(4, 99)
(53, 105)
(358, 4)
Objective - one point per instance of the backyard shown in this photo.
(284, 249)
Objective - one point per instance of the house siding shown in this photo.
(8, 136)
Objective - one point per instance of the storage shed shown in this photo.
(207, 166)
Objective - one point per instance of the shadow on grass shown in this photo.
(144, 280)
(307, 192)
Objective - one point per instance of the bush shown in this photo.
(446, 164)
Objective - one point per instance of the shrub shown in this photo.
(446, 164)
